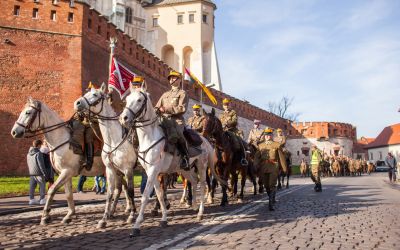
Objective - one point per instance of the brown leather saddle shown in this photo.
(192, 137)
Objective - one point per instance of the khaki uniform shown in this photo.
(255, 137)
(196, 123)
(229, 120)
(267, 158)
(316, 167)
(174, 102)
(281, 139)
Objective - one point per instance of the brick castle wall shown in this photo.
(54, 61)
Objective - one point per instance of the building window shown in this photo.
(298, 153)
(108, 35)
(35, 13)
(99, 30)
(128, 15)
(89, 23)
(54, 2)
(16, 10)
(155, 22)
(180, 19)
(71, 3)
(372, 156)
(380, 155)
(70, 17)
(204, 18)
(191, 18)
(53, 15)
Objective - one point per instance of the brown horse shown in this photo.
(230, 160)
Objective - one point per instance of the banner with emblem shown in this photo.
(191, 78)
(120, 77)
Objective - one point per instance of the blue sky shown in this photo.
(339, 59)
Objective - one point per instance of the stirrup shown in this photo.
(244, 162)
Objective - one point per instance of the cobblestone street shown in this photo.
(351, 213)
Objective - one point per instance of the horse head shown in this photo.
(138, 107)
(27, 121)
(92, 102)
(211, 124)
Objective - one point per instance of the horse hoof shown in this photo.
(163, 224)
(154, 213)
(45, 221)
(66, 221)
(135, 233)
(199, 217)
(102, 224)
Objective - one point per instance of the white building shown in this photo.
(387, 141)
(179, 32)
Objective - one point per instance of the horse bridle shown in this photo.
(38, 110)
(141, 112)
(101, 99)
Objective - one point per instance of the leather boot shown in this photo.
(270, 203)
(273, 197)
(184, 155)
(89, 154)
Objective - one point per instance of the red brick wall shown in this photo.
(323, 129)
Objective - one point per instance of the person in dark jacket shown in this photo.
(47, 162)
(37, 172)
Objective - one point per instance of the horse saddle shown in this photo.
(192, 137)
(194, 151)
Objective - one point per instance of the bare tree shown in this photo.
(281, 108)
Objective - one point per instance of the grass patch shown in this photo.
(295, 169)
(11, 186)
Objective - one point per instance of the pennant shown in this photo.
(192, 79)
(120, 77)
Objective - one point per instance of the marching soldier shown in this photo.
(255, 134)
(196, 121)
(267, 158)
(316, 158)
(172, 106)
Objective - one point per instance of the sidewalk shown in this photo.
(15, 205)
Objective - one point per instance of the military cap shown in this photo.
(196, 106)
(137, 79)
(226, 101)
(174, 73)
(268, 131)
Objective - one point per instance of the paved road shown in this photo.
(351, 213)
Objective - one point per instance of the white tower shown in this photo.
(181, 33)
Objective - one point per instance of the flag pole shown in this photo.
(113, 43)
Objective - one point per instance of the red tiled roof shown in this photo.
(389, 136)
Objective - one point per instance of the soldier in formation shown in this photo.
(196, 121)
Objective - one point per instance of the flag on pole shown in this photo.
(191, 78)
(120, 77)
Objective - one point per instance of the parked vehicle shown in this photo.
(381, 166)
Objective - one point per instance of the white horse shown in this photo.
(36, 117)
(140, 114)
(118, 153)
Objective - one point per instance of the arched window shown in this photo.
(168, 56)
(128, 15)
(187, 52)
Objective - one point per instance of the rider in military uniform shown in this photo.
(172, 106)
(196, 121)
(255, 134)
(267, 158)
(316, 158)
(229, 118)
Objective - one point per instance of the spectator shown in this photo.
(100, 189)
(144, 182)
(37, 172)
(47, 162)
(392, 163)
(81, 181)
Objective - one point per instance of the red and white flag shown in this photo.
(120, 77)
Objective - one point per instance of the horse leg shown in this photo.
(243, 174)
(279, 181)
(202, 180)
(151, 182)
(130, 194)
(119, 181)
(184, 193)
(64, 176)
(189, 194)
(111, 176)
(287, 180)
(191, 177)
(214, 183)
(70, 200)
(160, 195)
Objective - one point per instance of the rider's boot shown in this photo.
(273, 197)
(184, 165)
(89, 154)
(270, 201)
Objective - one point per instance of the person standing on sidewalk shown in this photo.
(316, 158)
(392, 164)
(37, 172)
(47, 162)
(81, 181)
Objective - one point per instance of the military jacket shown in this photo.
(281, 139)
(255, 136)
(196, 123)
(269, 155)
(174, 102)
(229, 119)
